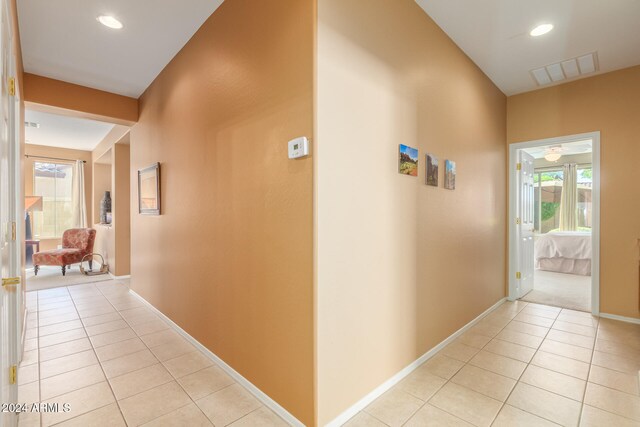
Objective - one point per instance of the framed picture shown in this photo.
(432, 170)
(408, 160)
(449, 174)
(149, 190)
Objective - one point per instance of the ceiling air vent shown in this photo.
(565, 70)
(32, 125)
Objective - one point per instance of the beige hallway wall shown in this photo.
(608, 103)
(401, 266)
(230, 258)
(58, 97)
(121, 184)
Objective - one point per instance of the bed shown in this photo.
(564, 252)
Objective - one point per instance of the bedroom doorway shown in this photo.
(554, 232)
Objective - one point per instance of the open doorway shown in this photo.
(554, 212)
(72, 165)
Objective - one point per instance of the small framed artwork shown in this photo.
(408, 160)
(149, 190)
(449, 174)
(432, 170)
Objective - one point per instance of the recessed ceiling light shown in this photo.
(110, 21)
(541, 29)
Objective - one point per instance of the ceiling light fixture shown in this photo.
(541, 30)
(552, 154)
(110, 21)
(552, 157)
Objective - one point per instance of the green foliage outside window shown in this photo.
(549, 210)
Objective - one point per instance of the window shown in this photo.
(585, 205)
(547, 190)
(53, 182)
(547, 193)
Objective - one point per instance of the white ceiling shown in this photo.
(62, 39)
(568, 149)
(495, 34)
(64, 131)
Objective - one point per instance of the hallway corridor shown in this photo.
(524, 364)
(99, 349)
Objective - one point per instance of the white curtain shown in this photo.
(79, 200)
(569, 198)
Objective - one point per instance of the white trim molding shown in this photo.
(620, 318)
(387, 385)
(114, 277)
(259, 394)
(595, 212)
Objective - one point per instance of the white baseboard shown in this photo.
(259, 394)
(114, 277)
(384, 387)
(620, 318)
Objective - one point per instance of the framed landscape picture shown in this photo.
(449, 174)
(149, 190)
(432, 170)
(408, 160)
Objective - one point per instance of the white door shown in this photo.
(525, 224)
(10, 257)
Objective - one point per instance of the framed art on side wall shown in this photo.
(149, 190)
(408, 160)
(449, 174)
(432, 170)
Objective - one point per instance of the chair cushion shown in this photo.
(58, 257)
(79, 238)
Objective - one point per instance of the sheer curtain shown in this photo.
(79, 200)
(569, 198)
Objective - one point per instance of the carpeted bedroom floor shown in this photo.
(51, 277)
(561, 290)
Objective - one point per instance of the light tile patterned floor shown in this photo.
(99, 349)
(523, 365)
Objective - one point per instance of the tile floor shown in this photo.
(99, 349)
(523, 365)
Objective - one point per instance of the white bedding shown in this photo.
(564, 252)
(564, 244)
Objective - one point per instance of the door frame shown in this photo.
(15, 209)
(595, 230)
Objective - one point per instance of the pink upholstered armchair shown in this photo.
(76, 243)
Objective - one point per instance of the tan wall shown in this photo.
(121, 210)
(607, 103)
(105, 244)
(111, 170)
(117, 134)
(62, 153)
(230, 258)
(401, 266)
(55, 96)
(17, 48)
(101, 183)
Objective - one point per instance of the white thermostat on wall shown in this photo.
(298, 147)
